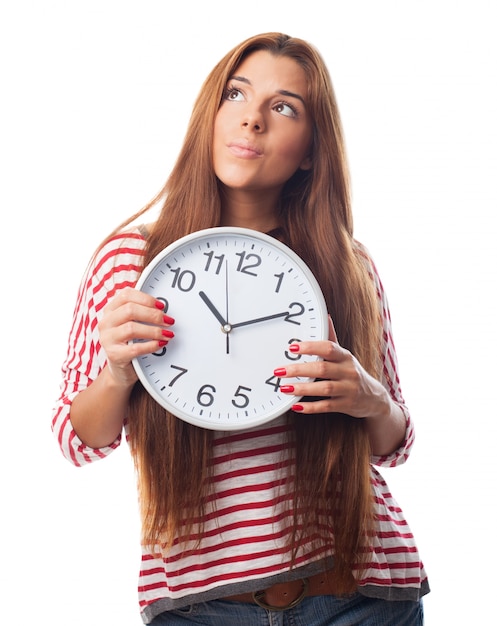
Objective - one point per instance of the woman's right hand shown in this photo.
(132, 314)
(98, 411)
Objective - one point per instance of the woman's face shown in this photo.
(263, 131)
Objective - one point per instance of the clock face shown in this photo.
(239, 298)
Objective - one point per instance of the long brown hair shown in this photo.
(332, 472)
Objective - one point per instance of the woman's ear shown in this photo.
(306, 163)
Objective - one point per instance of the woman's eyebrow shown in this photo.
(282, 92)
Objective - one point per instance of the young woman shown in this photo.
(289, 522)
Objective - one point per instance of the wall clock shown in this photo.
(239, 298)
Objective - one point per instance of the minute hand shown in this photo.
(260, 319)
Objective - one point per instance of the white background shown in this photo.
(95, 98)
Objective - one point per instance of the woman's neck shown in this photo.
(249, 210)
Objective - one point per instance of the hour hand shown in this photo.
(216, 313)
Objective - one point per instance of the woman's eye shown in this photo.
(286, 109)
(233, 94)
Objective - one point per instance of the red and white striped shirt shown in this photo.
(243, 547)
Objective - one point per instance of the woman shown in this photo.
(289, 522)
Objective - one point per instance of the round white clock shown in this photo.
(239, 298)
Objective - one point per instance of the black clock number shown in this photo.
(205, 395)
(163, 350)
(239, 395)
(289, 355)
(210, 257)
(182, 370)
(160, 352)
(248, 261)
(166, 304)
(278, 284)
(274, 382)
(183, 280)
(300, 311)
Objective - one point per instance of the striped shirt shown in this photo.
(243, 547)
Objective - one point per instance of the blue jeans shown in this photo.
(353, 610)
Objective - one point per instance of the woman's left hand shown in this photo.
(342, 385)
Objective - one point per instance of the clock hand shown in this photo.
(217, 315)
(227, 328)
(260, 319)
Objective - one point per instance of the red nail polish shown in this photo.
(168, 320)
(287, 388)
(294, 347)
(280, 371)
(168, 333)
(297, 408)
(162, 343)
(160, 305)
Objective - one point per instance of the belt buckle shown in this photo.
(258, 597)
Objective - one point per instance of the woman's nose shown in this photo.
(254, 120)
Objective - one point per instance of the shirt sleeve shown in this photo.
(115, 266)
(389, 374)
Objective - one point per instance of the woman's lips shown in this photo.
(244, 149)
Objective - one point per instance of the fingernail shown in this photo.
(297, 408)
(294, 347)
(280, 371)
(162, 343)
(160, 305)
(168, 333)
(168, 320)
(287, 388)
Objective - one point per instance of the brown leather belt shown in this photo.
(283, 596)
